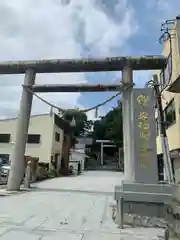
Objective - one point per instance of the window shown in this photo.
(157, 127)
(5, 138)
(65, 139)
(4, 161)
(170, 114)
(33, 138)
(161, 80)
(57, 137)
(165, 75)
(170, 65)
(5, 156)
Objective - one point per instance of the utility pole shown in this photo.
(178, 33)
(163, 135)
(102, 153)
(119, 157)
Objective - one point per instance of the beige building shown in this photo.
(171, 99)
(46, 137)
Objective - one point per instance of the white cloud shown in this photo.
(32, 29)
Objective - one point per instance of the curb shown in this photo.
(4, 192)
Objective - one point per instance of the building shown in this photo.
(78, 153)
(48, 139)
(169, 82)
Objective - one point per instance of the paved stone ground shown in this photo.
(70, 208)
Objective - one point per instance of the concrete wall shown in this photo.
(84, 140)
(80, 146)
(66, 152)
(40, 124)
(173, 132)
(175, 53)
(176, 162)
(57, 145)
(78, 153)
(78, 156)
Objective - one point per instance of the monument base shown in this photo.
(142, 199)
(173, 215)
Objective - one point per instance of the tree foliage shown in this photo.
(83, 125)
(110, 126)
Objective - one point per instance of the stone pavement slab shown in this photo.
(96, 181)
(75, 214)
(18, 234)
(66, 236)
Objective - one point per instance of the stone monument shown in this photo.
(140, 191)
(144, 132)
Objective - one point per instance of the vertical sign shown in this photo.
(144, 125)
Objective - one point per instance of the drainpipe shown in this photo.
(178, 35)
(163, 135)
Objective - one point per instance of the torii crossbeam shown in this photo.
(83, 65)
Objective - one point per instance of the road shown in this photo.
(70, 208)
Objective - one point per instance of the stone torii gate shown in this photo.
(31, 68)
(102, 144)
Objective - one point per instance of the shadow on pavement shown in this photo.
(40, 189)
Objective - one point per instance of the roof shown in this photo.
(64, 125)
(14, 118)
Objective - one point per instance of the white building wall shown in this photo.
(78, 153)
(57, 145)
(176, 162)
(40, 124)
(80, 146)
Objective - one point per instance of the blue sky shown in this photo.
(42, 29)
(143, 42)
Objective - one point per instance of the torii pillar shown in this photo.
(17, 164)
(127, 78)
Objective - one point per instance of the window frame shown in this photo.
(4, 161)
(5, 156)
(5, 134)
(57, 137)
(168, 123)
(157, 127)
(166, 73)
(32, 142)
(161, 80)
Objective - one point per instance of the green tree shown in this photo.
(110, 126)
(83, 125)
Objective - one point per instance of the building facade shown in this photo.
(45, 140)
(78, 153)
(169, 79)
